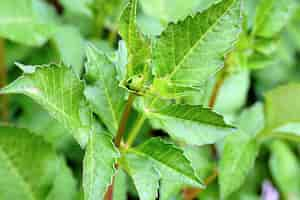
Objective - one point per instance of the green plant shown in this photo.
(191, 81)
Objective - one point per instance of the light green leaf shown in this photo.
(60, 92)
(285, 169)
(64, 186)
(144, 175)
(272, 16)
(28, 165)
(103, 91)
(282, 108)
(240, 151)
(70, 46)
(194, 125)
(188, 53)
(174, 168)
(120, 186)
(26, 21)
(98, 166)
(77, 6)
(137, 46)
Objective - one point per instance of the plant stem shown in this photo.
(136, 129)
(109, 195)
(3, 79)
(124, 119)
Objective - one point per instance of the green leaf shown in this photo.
(285, 169)
(27, 21)
(190, 52)
(103, 91)
(272, 16)
(194, 125)
(64, 186)
(240, 151)
(77, 6)
(60, 92)
(282, 108)
(174, 168)
(70, 46)
(138, 47)
(144, 175)
(28, 165)
(120, 186)
(98, 166)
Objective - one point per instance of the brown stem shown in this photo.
(110, 191)
(124, 119)
(3, 78)
(118, 139)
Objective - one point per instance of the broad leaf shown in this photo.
(272, 16)
(26, 21)
(28, 165)
(103, 91)
(240, 151)
(60, 92)
(144, 175)
(282, 108)
(138, 47)
(191, 51)
(285, 169)
(64, 186)
(174, 168)
(120, 185)
(98, 166)
(70, 46)
(194, 125)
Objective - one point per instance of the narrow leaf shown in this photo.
(98, 166)
(60, 92)
(191, 51)
(103, 91)
(138, 47)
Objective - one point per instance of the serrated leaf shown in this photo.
(70, 45)
(28, 165)
(98, 166)
(60, 92)
(272, 16)
(285, 169)
(194, 125)
(137, 46)
(103, 91)
(144, 175)
(282, 108)
(240, 151)
(191, 51)
(26, 21)
(174, 168)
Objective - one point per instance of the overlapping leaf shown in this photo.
(60, 92)
(171, 164)
(99, 166)
(103, 91)
(194, 125)
(191, 51)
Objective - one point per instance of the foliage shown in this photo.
(193, 99)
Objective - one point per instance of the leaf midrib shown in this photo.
(176, 67)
